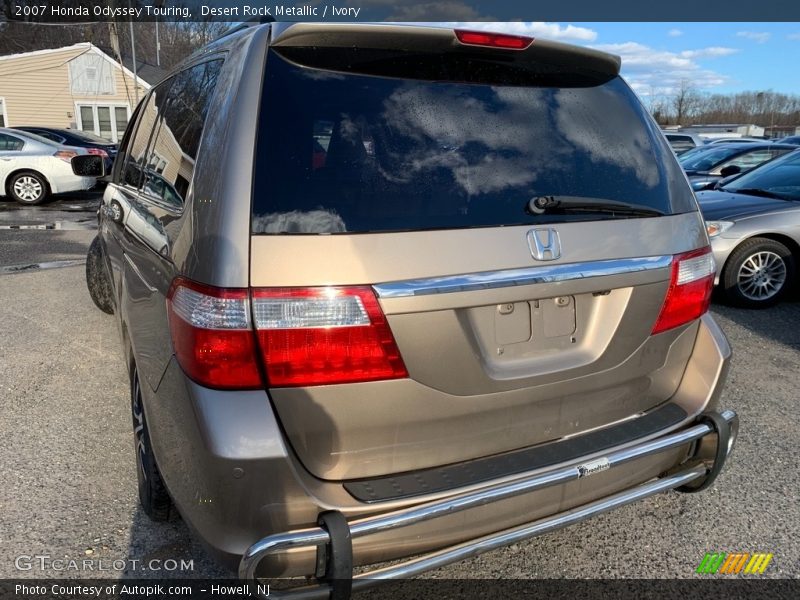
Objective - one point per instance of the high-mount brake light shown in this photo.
(493, 40)
(689, 293)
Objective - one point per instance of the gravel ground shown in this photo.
(68, 480)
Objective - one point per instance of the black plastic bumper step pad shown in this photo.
(439, 479)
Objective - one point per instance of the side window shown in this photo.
(10, 143)
(775, 152)
(51, 136)
(747, 160)
(136, 159)
(173, 149)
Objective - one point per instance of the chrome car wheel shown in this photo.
(761, 276)
(758, 273)
(28, 188)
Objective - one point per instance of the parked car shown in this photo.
(32, 167)
(706, 166)
(683, 142)
(793, 139)
(754, 226)
(391, 305)
(94, 144)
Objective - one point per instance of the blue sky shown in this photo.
(714, 57)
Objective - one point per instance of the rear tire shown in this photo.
(28, 187)
(97, 279)
(153, 495)
(759, 272)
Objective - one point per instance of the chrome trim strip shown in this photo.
(513, 277)
(316, 536)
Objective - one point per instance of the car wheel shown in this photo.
(28, 188)
(153, 495)
(97, 278)
(758, 273)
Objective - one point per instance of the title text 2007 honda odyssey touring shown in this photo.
(392, 291)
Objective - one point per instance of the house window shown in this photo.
(3, 117)
(91, 75)
(106, 120)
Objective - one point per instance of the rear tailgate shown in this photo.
(421, 188)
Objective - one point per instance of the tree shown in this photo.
(685, 101)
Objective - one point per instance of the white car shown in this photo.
(33, 167)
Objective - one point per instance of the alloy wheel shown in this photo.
(762, 275)
(28, 188)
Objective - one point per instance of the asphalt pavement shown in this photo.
(59, 230)
(68, 480)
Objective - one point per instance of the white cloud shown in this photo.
(759, 37)
(538, 29)
(650, 71)
(674, 33)
(710, 52)
(793, 36)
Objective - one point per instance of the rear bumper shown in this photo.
(711, 438)
(71, 183)
(235, 480)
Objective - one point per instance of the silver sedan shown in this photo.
(754, 226)
(32, 167)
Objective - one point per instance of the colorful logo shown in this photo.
(734, 563)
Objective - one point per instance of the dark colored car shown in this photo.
(389, 291)
(793, 139)
(705, 166)
(94, 144)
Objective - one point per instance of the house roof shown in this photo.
(152, 74)
(85, 46)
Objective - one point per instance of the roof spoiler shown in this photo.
(435, 40)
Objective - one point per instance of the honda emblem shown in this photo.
(544, 244)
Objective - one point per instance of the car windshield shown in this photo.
(702, 159)
(779, 178)
(362, 153)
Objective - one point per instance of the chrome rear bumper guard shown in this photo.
(333, 538)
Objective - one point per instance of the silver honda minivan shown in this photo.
(389, 291)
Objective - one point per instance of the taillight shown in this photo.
(689, 291)
(97, 152)
(313, 336)
(66, 155)
(493, 40)
(212, 335)
(303, 336)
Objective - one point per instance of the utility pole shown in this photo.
(158, 47)
(133, 57)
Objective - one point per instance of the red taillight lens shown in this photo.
(493, 40)
(212, 335)
(66, 155)
(313, 336)
(689, 291)
(97, 152)
(307, 336)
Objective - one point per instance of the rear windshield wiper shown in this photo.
(757, 192)
(575, 204)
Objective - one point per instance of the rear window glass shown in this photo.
(341, 153)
